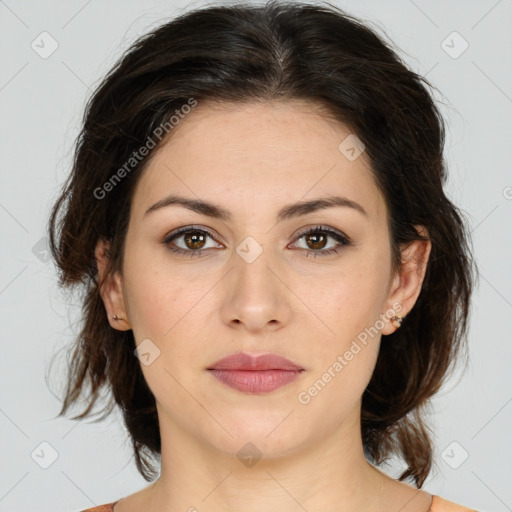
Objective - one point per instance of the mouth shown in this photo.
(255, 374)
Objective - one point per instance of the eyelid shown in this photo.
(340, 237)
(185, 229)
(323, 229)
(305, 231)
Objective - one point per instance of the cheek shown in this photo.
(156, 299)
(169, 309)
(168, 313)
(351, 299)
(344, 360)
(350, 307)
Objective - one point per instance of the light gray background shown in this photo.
(42, 102)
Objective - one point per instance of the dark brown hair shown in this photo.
(278, 51)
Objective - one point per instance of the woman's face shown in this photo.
(259, 285)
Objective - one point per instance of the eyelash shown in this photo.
(341, 239)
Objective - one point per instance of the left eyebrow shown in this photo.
(288, 212)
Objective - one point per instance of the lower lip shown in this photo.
(252, 381)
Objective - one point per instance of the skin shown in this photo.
(252, 160)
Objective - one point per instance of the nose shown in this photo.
(255, 294)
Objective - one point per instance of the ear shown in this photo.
(111, 290)
(406, 285)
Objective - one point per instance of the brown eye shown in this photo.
(317, 240)
(194, 240)
(189, 240)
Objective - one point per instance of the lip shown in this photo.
(244, 361)
(255, 374)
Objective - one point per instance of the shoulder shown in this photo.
(109, 507)
(441, 505)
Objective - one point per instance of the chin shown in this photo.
(257, 449)
(260, 434)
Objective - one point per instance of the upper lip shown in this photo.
(244, 361)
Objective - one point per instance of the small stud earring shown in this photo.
(396, 321)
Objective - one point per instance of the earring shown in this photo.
(115, 317)
(396, 321)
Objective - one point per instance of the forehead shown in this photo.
(258, 154)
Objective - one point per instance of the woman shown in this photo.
(275, 281)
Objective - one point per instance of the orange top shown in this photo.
(438, 505)
(441, 505)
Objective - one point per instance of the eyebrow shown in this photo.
(288, 212)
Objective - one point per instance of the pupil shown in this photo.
(193, 240)
(317, 244)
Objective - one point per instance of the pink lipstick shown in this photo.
(255, 374)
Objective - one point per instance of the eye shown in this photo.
(317, 237)
(193, 240)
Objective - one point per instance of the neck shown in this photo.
(328, 474)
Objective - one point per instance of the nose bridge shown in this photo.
(255, 296)
(252, 265)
